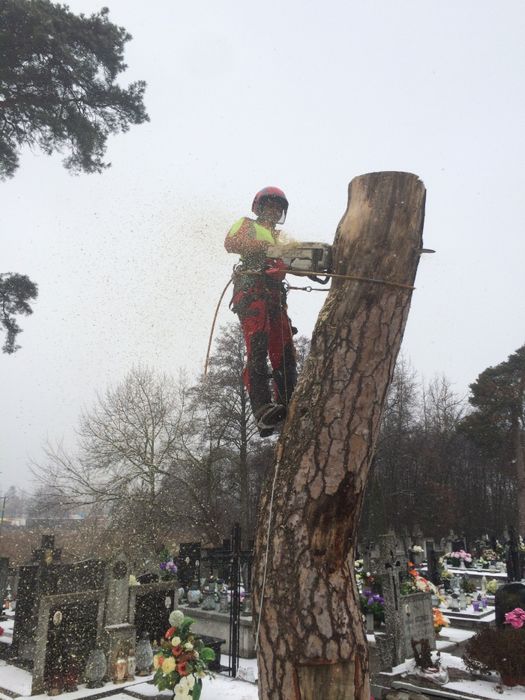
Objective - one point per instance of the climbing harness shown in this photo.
(353, 278)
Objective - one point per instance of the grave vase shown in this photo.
(144, 656)
(194, 597)
(120, 669)
(462, 564)
(131, 666)
(96, 668)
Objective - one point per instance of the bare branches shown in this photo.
(152, 447)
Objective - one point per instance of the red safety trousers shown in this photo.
(261, 307)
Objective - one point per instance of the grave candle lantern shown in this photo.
(121, 667)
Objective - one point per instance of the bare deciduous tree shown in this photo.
(126, 447)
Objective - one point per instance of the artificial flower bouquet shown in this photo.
(182, 660)
(515, 618)
(489, 555)
(455, 558)
(440, 620)
(374, 604)
(417, 583)
(492, 586)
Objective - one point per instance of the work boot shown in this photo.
(269, 417)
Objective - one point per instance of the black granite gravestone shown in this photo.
(508, 597)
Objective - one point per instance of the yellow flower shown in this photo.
(157, 660)
(175, 641)
(169, 665)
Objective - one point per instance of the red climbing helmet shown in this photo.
(270, 193)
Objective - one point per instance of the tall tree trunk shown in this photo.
(244, 492)
(519, 451)
(519, 455)
(311, 638)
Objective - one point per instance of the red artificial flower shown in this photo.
(169, 634)
(176, 651)
(181, 668)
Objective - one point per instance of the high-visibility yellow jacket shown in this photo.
(250, 240)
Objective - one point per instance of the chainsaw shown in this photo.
(310, 259)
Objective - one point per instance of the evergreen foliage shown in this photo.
(58, 88)
(498, 399)
(16, 291)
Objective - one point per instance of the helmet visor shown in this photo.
(273, 202)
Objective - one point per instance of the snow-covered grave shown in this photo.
(15, 682)
(405, 677)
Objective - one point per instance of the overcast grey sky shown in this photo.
(299, 94)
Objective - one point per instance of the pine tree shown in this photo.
(58, 88)
(15, 293)
(497, 423)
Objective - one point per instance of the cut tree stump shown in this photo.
(312, 642)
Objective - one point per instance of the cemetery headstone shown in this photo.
(407, 617)
(70, 605)
(117, 591)
(418, 622)
(458, 544)
(47, 553)
(120, 633)
(188, 563)
(4, 572)
(389, 569)
(508, 597)
(514, 568)
(35, 579)
(152, 604)
(433, 567)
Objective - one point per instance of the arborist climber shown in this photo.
(259, 300)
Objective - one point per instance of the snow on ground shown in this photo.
(456, 634)
(487, 689)
(221, 687)
(218, 688)
(15, 679)
(483, 689)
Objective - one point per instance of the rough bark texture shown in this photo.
(312, 643)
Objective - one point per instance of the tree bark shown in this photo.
(519, 457)
(311, 638)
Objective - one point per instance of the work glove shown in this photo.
(276, 269)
